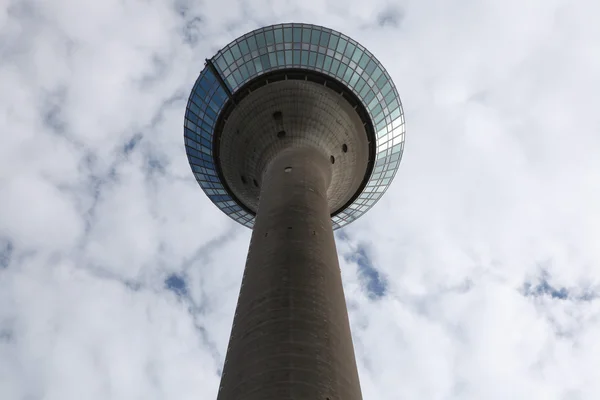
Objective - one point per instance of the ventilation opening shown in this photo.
(244, 181)
(280, 134)
(332, 159)
(345, 148)
(277, 116)
(255, 182)
(288, 169)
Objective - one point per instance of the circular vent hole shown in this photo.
(255, 183)
(332, 159)
(244, 181)
(277, 116)
(280, 134)
(345, 148)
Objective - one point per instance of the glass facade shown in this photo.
(297, 46)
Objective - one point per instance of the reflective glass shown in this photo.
(284, 46)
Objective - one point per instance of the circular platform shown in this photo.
(294, 85)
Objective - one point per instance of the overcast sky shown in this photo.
(477, 276)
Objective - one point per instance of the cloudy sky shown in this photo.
(477, 276)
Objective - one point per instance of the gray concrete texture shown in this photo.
(307, 113)
(291, 335)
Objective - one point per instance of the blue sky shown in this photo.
(476, 276)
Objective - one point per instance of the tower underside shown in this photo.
(293, 113)
(291, 336)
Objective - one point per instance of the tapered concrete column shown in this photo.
(291, 337)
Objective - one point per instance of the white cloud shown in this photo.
(486, 241)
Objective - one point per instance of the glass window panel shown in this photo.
(389, 97)
(376, 74)
(235, 50)
(354, 79)
(238, 76)
(364, 91)
(288, 57)
(251, 69)
(333, 41)
(341, 45)
(260, 40)
(370, 96)
(280, 58)
(230, 81)
(228, 57)
(312, 59)
(395, 114)
(287, 35)
(359, 85)
(273, 59)
(357, 55)
(348, 74)
(381, 81)
(244, 47)
(297, 34)
(244, 71)
(252, 43)
(306, 35)
(221, 63)
(324, 39)
(316, 35)
(363, 61)
(297, 57)
(370, 67)
(396, 148)
(304, 57)
(376, 109)
(386, 88)
(327, 65)
(334, 66)
(270, 35)
(320, 60)
(349, 50)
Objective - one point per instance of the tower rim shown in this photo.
(283, 47)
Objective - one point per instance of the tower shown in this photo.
(293, 130)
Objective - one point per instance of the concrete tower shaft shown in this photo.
(291, 336)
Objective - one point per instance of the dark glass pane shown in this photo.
(297, 34)
(306, 35)
(314, 39)
(312, 59)
(349, 50)
(333, 41)
(370, 67)
(341, 45)
(324, 39)
(304, 57)
(235, 50)
(270, 38)
(260, 39)
(244, 47)
(264, 60)
(252, 43)
(327, 65)
(287, 35)
(320, 59)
